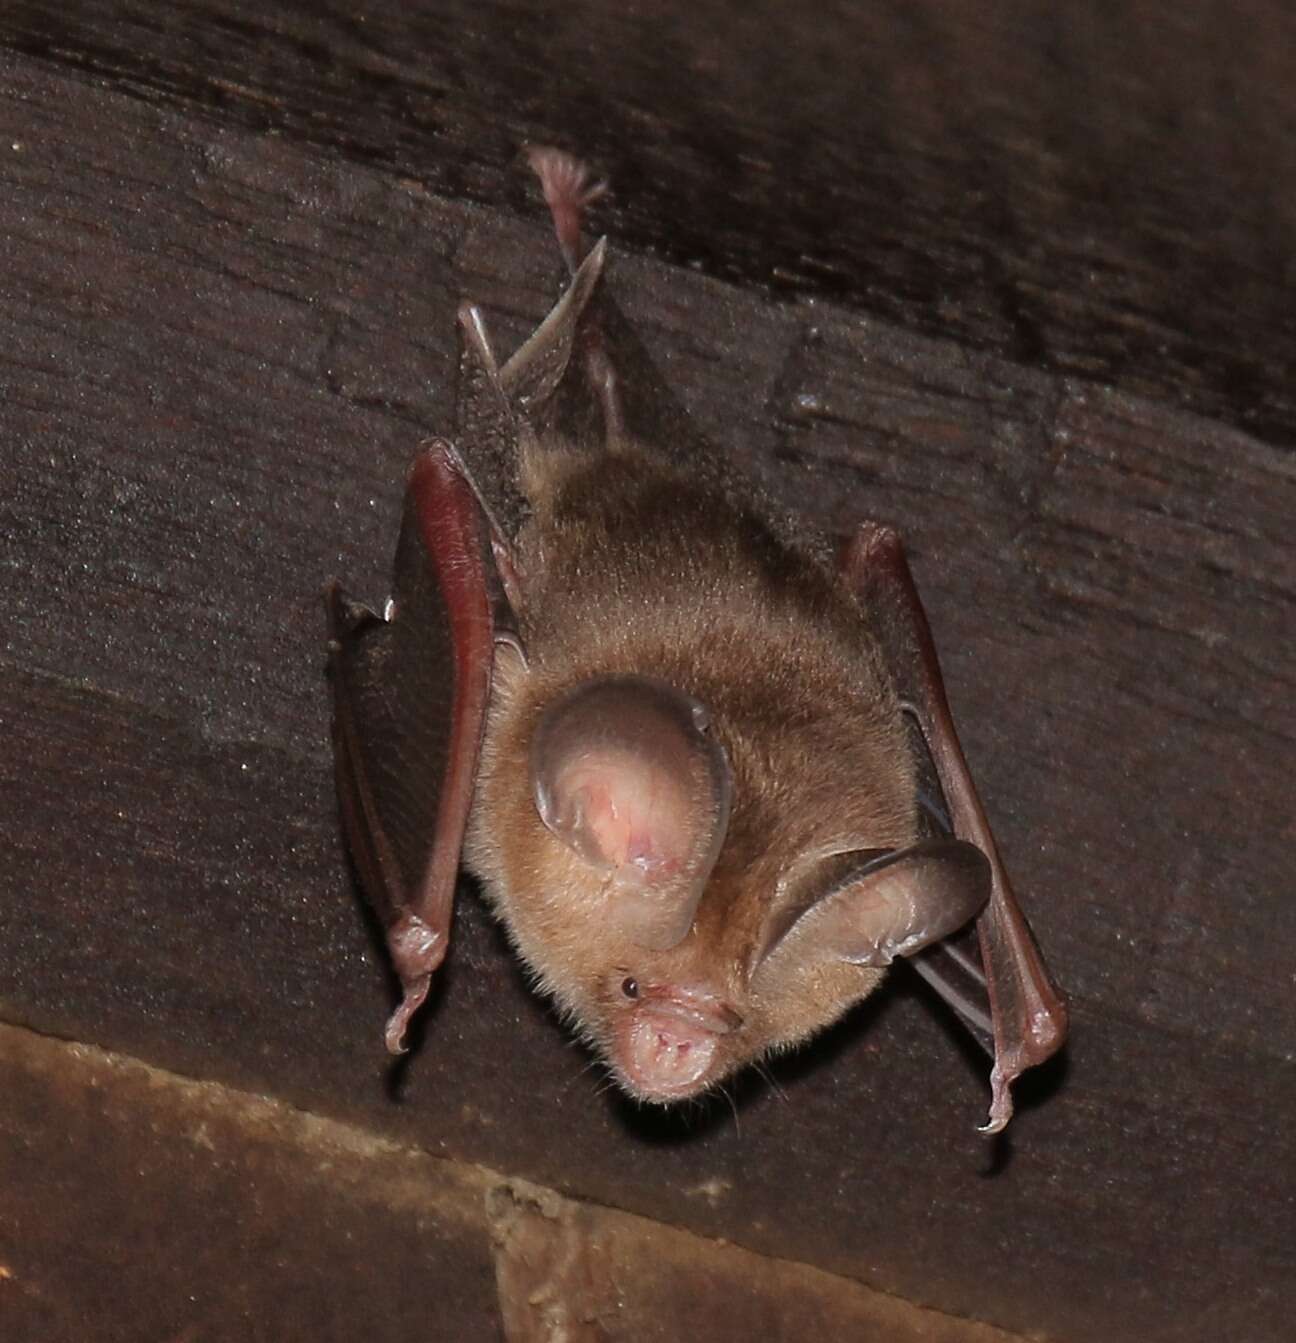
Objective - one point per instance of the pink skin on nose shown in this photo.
(666, 1045)
(665, 1057)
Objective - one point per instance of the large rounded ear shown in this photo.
(624, 771)
(869, 906)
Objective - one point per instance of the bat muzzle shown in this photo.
(670, 1044)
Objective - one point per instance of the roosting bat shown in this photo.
(702, 764)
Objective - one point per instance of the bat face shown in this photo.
(670, 730)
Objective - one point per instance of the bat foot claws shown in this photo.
(564, 178)
(568, 192)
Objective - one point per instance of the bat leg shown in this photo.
(1028, 1012)
(568, 192)
(601, 374)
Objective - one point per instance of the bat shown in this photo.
(698, 754)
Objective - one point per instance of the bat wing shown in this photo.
(411, 686)
(410, 692)
(999, 987)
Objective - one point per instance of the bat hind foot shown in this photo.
(568, 191)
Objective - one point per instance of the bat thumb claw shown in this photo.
(398, 1023)
(1001, 1104)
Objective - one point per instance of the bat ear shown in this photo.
(497, 409)
(625, 772)
(532, 375)
(869, 906)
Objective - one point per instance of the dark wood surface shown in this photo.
(219, 349)
(1106, 191)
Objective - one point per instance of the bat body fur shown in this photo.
(634, 568)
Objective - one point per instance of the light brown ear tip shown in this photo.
(651, 939)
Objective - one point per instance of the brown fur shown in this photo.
(626, 567)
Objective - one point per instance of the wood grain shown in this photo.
(1104, 192)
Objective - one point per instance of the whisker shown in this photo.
(763, 1069)
(580, 1074)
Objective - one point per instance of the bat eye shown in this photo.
(630, 987)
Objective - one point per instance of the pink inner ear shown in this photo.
(625, 814)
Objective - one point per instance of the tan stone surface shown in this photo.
(138, 1205)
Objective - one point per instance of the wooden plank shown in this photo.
(217, 356)
(1113, 562)
(1107, 193)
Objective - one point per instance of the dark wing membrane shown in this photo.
(951, 967)
(1028, 1013)
(656, 420)
(410, 695)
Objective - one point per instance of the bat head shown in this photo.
(680, 1019)
(680, 901)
